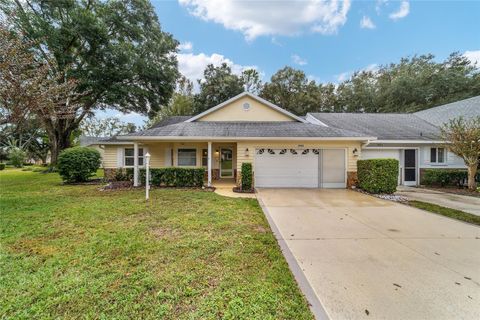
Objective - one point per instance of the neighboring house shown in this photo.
(468, 108)
(413, 139)
(285, 150)
(319, 150)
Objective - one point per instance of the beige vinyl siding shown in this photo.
(235, 112)
(110, 155)
(156, 150)
(350, 145)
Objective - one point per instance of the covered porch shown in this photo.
(218, 158)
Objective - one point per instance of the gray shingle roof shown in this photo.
(247, 129)
(467, 108)
(384, 126)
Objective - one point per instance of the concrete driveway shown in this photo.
(364, 257)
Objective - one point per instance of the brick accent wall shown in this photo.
(352, 179)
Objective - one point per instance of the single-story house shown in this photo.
(319, 150)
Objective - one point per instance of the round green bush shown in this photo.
(78, 164)
(378, 175)
(2, 166)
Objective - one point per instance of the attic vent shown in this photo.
(246, 106)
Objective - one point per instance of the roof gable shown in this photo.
(246, 107)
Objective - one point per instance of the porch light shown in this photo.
(355, 152)
(247, 152)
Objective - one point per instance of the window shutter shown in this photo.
(433, 155)
(120, 152)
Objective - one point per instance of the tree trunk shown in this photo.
(472, 171)
(59, 141)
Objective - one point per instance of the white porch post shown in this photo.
(209, 165)
(135, 164)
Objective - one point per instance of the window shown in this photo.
(129, 158)
(204, 157)
(437, 155)
(187, 157)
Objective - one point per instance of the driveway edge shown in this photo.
(313, 302)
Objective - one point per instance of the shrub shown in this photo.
(378, 175)
(2, 166)
(247, 176)
(17, 157)
(78, 164)
(175, 177)
(445, 177)
(124, 174)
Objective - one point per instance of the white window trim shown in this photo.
(436, 155)
(125, 156)
(196, 156)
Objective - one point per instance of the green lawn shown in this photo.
(451, 213)
(76, 252)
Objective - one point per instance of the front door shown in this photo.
(410, 167)
(226, 163)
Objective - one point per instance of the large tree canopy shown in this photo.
(115, 50)
(219, 84)
(413, 84)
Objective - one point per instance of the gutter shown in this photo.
(181, 138)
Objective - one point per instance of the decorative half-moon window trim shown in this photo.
(306, 151)
(260, 151)
(293, 151)
(316, 151)
(283, 151)
(270, 151)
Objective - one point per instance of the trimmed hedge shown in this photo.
(247, 176)
(445, 177)
(175, 177)
(378, 175)
(2, 166)
(78, 164)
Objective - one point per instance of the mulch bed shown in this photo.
(123, 185)
(240, 190)
(86, 183)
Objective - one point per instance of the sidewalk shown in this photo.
(444, 199)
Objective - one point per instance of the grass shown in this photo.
(75, 252)
(451, 213)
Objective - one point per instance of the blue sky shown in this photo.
(327, 40)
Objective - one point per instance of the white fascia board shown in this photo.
(241, 95)
(410, 141)
(314, 120)
(173, 138)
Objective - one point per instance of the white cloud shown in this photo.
(379, 4)
(185, 46)
(270, 18)
(473, 56)
(192, 65)
(343, 76)
(366, 23)
(402, 12)
(373, 67)
(298, 60)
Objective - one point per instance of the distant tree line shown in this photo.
(413, 84)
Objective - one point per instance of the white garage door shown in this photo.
(300, 168)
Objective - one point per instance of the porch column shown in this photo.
(135, 164)
(209, 165)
